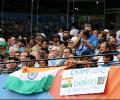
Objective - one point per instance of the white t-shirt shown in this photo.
(61, 36)
(118, 36)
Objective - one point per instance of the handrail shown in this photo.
(61, 58)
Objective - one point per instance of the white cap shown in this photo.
(42, 34)
(106, 30)
(2, 40)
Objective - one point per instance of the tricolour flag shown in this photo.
(31, 80)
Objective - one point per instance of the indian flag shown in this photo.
(31, 80)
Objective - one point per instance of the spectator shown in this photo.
(45, 45)
(70, 44)
(3, 47)
(13, 41)
(102, 37)
(74, 31)
(21, 45)
(107, 33)
(43, 63)
(31, 60)
(96, 32)
(108, 59)
(23, 58)
(37, 46)
(113, 43)
(88, 28)
(83, 62)
(41, 36)
(56, 40)
(85, 41)
(17, 55)
(60, 33)
(104, 47)
(118, 36)
(12, 66)
(67, 51)
(31, 45)
(12, 51)
(118, 57)
(66, 37)
(54, 53)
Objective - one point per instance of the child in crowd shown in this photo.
(43, 63)
(108, 59)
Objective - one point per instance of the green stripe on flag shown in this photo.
(25, 86)
(49, 82)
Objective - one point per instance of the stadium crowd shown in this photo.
(64, 44)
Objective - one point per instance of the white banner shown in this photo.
(84, 81)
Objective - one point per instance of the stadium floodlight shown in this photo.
(97, 2)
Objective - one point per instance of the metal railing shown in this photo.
(18, 62)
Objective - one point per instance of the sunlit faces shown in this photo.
(19, 44)
(32, 43)
(44, 44)
(99, 36)
(88, 28)
(30, 63)
(70, 43)
(104, 47)
(11, 65)
(17, 54)
(43, 63)
(65, 34)
(11, 51)
(54, 52)
(66, 52)
(113, 41)
(12, 41)
(23, 55)
(106, 59)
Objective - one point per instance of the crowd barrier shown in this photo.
(61, 58)
(18, 62)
